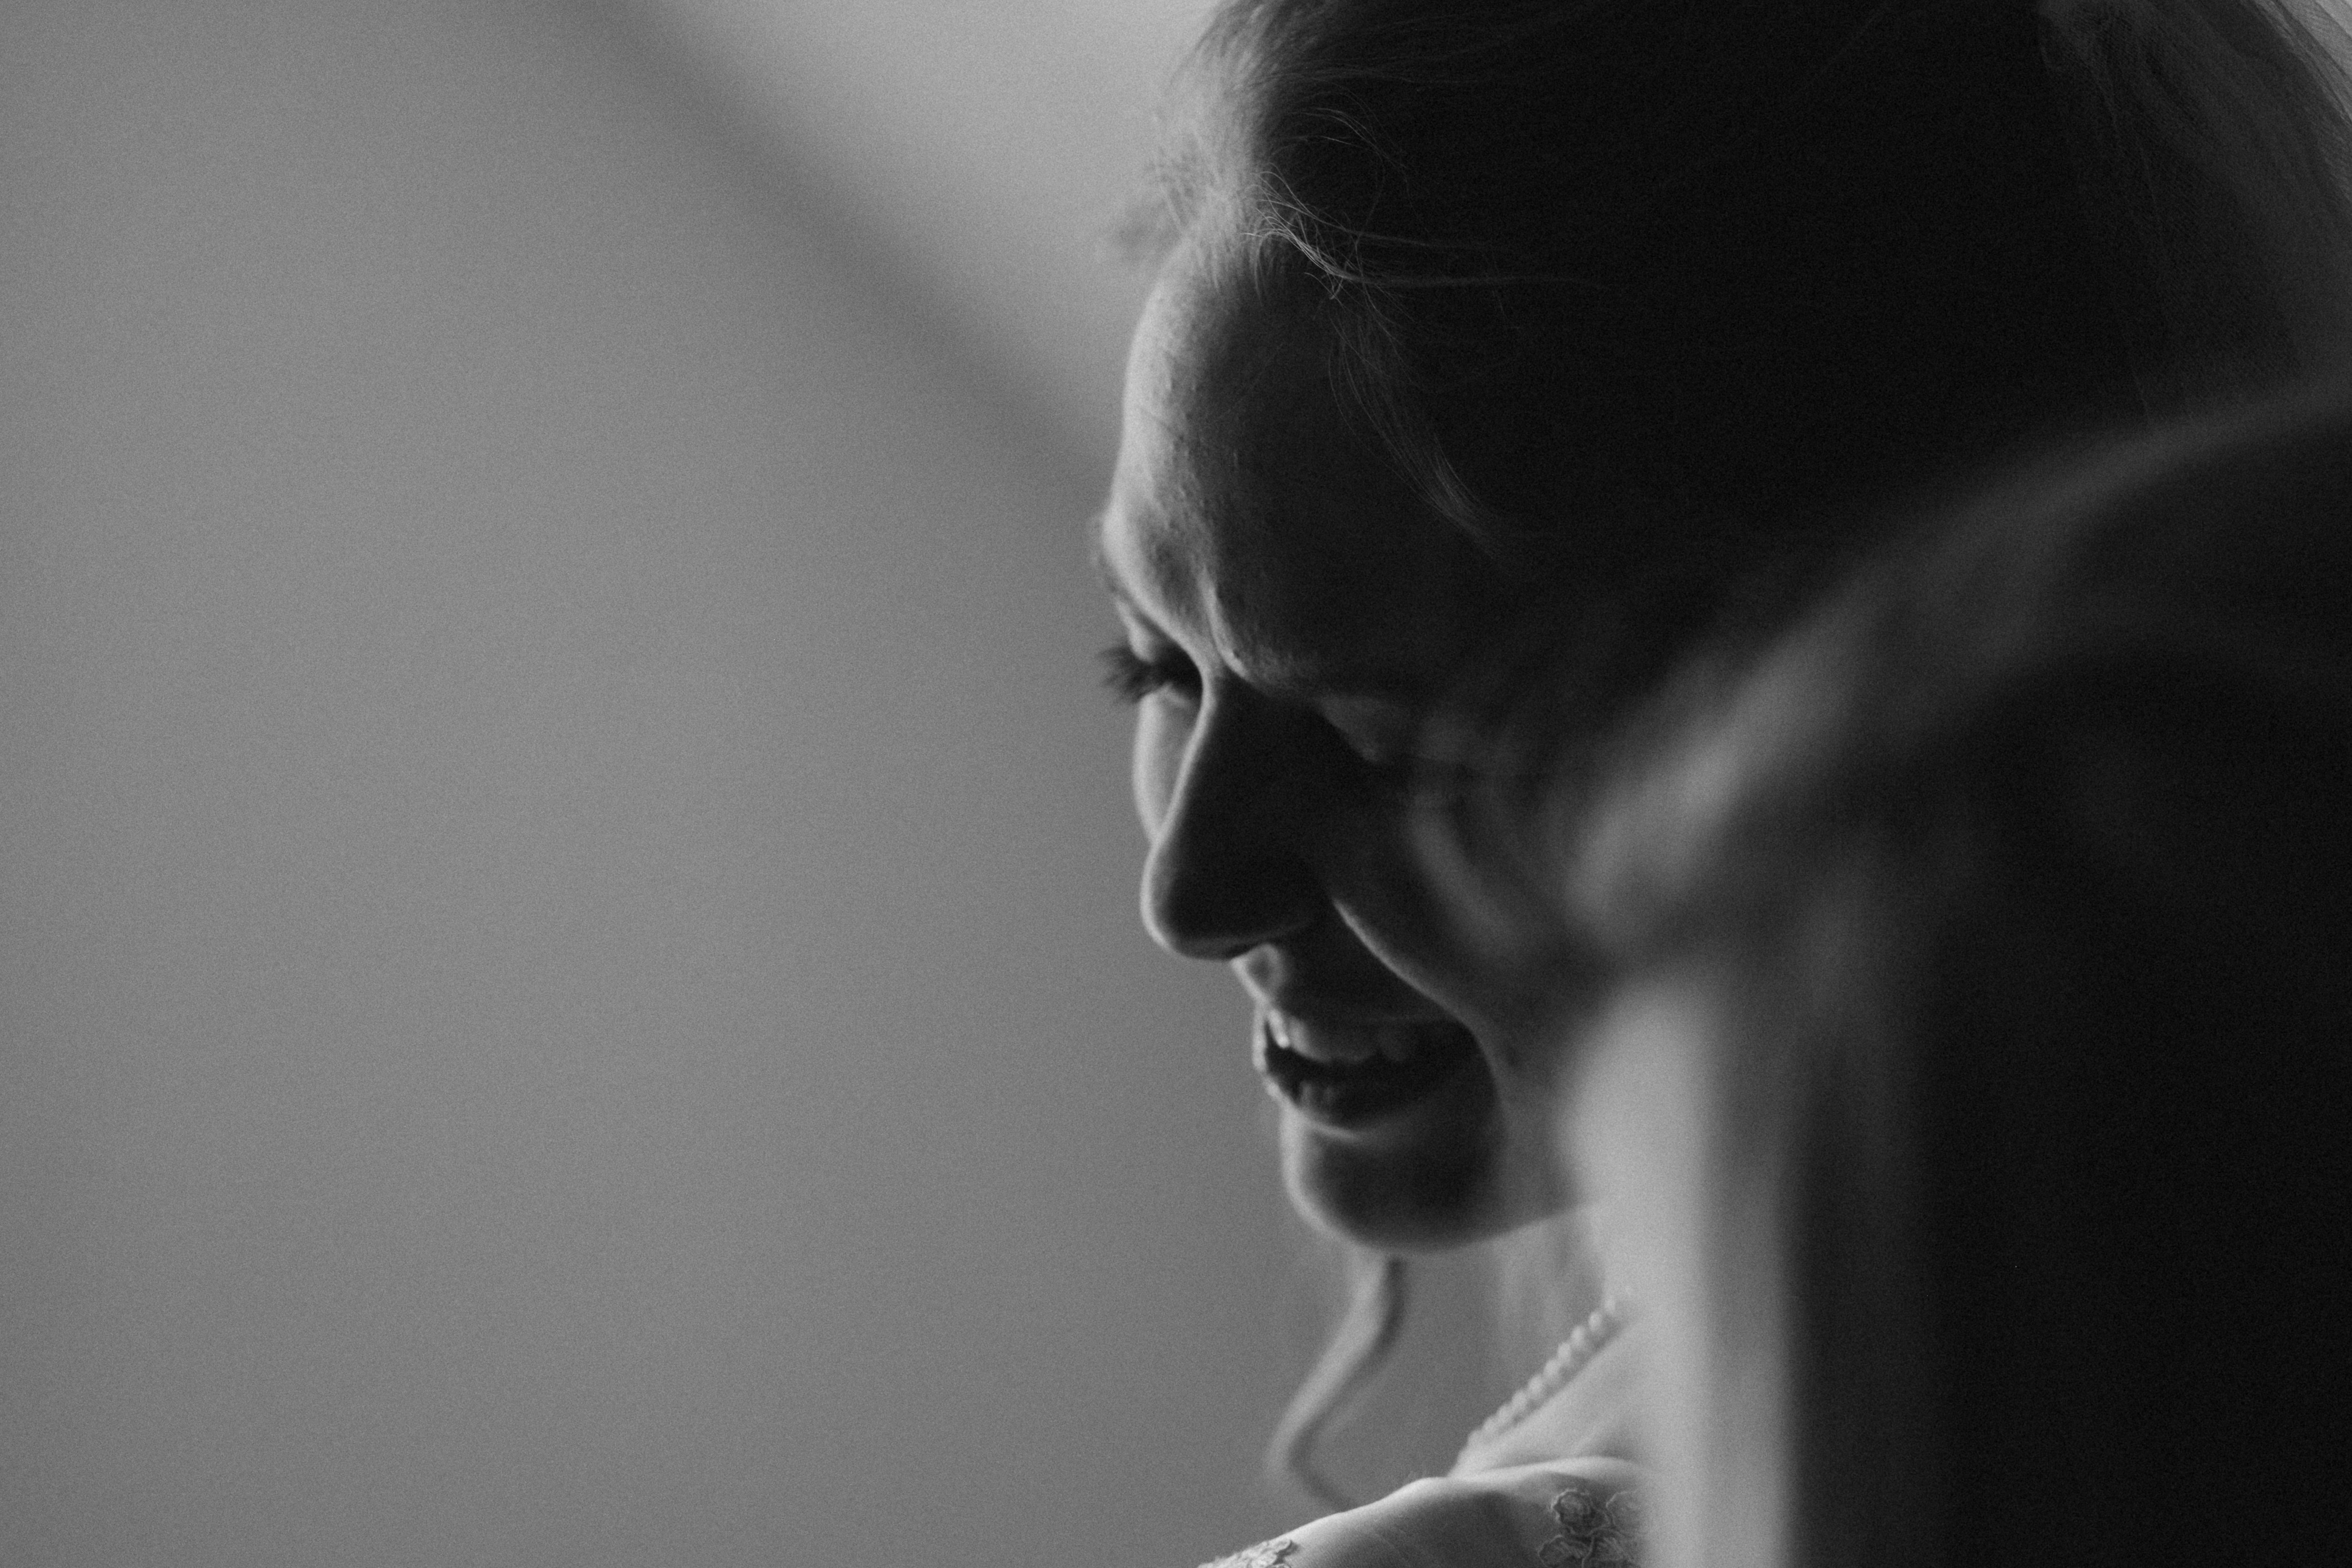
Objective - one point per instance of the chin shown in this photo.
(1415, 1195)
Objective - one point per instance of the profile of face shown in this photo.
(1292, 611)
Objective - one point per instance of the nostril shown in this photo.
(1225, 872)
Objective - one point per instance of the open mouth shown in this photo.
(1349, 1074)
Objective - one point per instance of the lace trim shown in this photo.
(1597, 1530)
(1265, 1554)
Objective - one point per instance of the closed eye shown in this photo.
(1132, 677)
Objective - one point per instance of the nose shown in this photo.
(1227, 869)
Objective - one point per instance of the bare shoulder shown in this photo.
(1576, 1513)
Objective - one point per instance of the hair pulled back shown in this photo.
(1698, 263)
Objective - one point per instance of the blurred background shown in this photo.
(569, 990)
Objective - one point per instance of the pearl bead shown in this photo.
(1587, 1341)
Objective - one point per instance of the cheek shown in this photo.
(1159, 761)
(1403, 914)
(1421, 919)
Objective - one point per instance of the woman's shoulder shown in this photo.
(1572, 1513)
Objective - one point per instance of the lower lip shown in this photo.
(1358, 1096)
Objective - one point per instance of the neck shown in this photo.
(1564, 1431)
(1547, 1279)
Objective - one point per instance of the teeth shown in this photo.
(1345, 1044)
(1348, 1074)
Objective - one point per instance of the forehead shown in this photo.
(1247, 508)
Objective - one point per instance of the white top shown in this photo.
(1555, 1489)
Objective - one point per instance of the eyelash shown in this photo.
(1132, 677)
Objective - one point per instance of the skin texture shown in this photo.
(1293, 610)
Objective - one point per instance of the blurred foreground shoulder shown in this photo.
(1580, 1513)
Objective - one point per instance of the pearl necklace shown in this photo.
(1574, 1354)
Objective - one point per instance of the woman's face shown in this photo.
(1292, 610)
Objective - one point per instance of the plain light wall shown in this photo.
(986, 143)
(569, 987)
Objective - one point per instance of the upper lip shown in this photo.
(1344, 987)
(1321, 1010)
